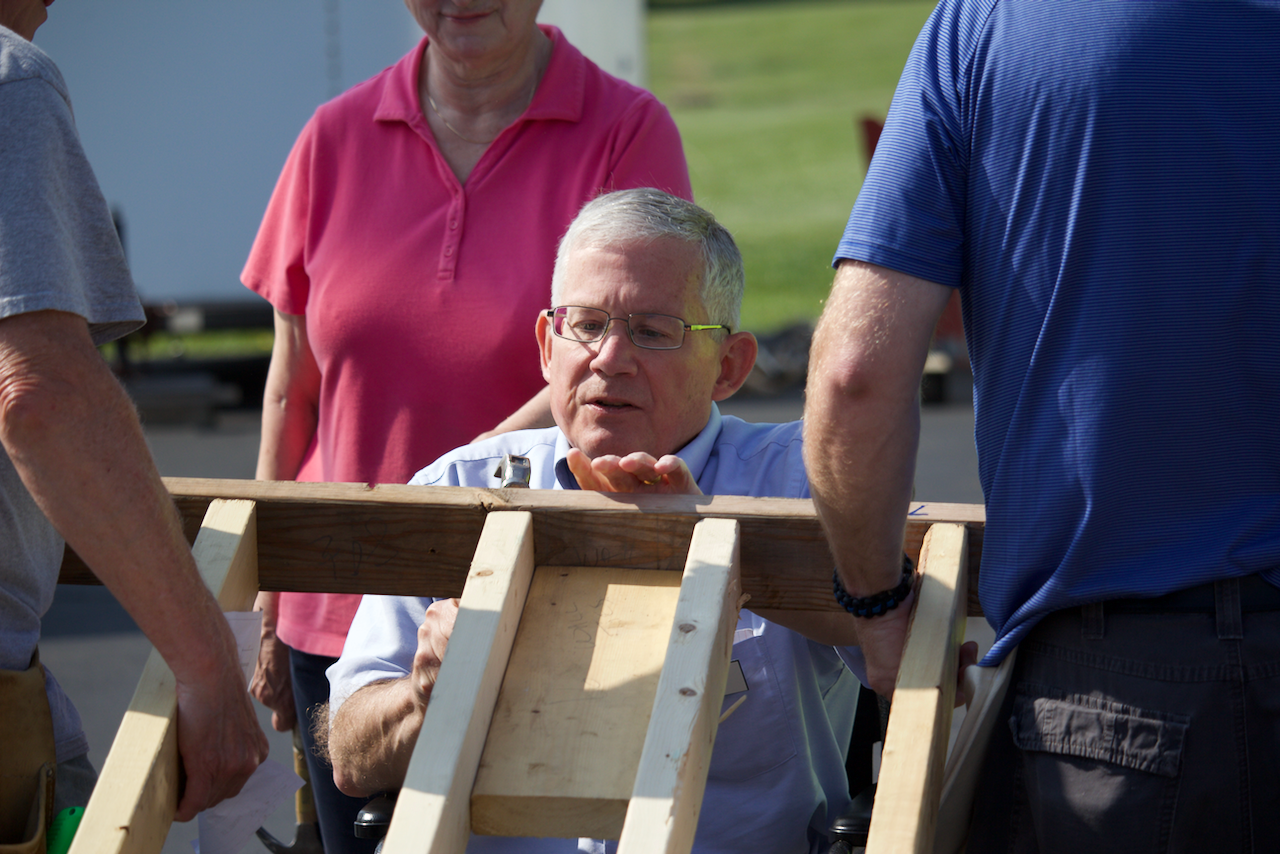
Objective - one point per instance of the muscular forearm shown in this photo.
(862, 504)
(862, 416)
(76, 443)
(75, 440)
(372, 736)
(862, 427)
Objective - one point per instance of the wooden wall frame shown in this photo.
(427, 541)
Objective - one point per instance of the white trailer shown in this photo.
(187, 110)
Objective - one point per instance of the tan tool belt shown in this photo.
(29, 760)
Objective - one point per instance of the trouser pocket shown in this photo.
(27, 770)
(1097, 771)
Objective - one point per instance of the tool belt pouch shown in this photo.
(29, 760)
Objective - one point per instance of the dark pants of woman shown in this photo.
(336, 811)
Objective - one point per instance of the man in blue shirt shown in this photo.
(1100, 182)
(637, 350)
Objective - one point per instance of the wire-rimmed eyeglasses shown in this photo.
(651, 331)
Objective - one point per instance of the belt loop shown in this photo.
(1226, 600)
(1092, 622)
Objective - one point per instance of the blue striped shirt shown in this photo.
(1101, 181)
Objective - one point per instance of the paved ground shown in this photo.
(98, 653)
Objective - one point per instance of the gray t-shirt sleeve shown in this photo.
(58, 246)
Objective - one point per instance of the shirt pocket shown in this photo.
(758, 736)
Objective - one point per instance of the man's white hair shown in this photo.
(629, 216)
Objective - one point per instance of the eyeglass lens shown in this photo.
(588, 325)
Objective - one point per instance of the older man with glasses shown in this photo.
(637, 350)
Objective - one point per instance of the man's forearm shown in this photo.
(862, 426)
(75, 440)
(862, 504)
(862, 416)
(372, 735)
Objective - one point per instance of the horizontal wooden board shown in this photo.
(419, 540)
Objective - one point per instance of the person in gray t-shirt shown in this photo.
(73, 462)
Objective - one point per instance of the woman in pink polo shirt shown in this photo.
(407, 251)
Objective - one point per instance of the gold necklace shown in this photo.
(456, 132)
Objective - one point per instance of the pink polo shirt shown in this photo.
(420, 293)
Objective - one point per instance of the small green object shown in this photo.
(63, 830)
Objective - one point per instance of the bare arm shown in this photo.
(862, 429)
(290, 411)
(291, 402)
(535, 412)
(372, 735)
(75, 440)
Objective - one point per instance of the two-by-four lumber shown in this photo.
(667, 797)
(418, 540)
(137, 793)
(568, 729)
(915, 748)
(433, 812)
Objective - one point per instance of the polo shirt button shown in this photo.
(448, 251)
(453, 223)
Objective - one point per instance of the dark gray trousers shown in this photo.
(1134, 728)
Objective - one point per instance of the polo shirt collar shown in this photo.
(696, 454)
(560, 95)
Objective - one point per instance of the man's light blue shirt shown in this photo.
(777, 771)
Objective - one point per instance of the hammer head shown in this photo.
(306, 840)
(513, 471)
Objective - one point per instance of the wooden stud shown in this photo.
(137, 793)
(433, 811)
(915, 748)
(667, 797)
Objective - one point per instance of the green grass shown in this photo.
(220, 343)
(767, 97)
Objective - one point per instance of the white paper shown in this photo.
(246, 627)
(228, 827)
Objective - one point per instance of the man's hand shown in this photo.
(433, 639)
(882, 639)
(218, 738)
(638, 472)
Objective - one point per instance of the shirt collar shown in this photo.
(695, 454)
(560, 93)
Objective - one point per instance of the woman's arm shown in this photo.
(291, 402)
(535, 412)
(290, 410)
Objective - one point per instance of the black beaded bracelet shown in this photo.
(881, 603)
